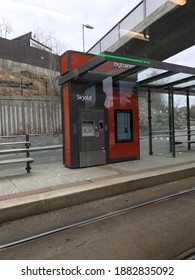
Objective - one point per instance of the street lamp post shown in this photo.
(83, 27)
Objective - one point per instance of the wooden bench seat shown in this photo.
(13, 151)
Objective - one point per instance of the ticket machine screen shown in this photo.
(88, 128)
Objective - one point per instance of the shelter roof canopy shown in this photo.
(146, 73)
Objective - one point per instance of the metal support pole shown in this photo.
(119, 35)
(28, 168)
(172, 121)
(150, 122)
(83, 27)
(146, 30)
(188, 119)
(21, 86)
(170, 124)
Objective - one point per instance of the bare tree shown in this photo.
(5, 27)
(49, 39)
(179, 101)
(1, 29)
(56, 46)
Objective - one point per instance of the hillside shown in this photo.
(25, 83)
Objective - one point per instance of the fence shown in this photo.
(29, 115)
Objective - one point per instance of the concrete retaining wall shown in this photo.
(17, 67)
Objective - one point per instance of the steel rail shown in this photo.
(187, 255)
(98, 218)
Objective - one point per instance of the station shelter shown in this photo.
(100, 104)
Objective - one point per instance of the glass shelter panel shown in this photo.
(192, 117)
(160, 123)
(187, 84)
(96, 48)
(180, 121)
(143, 122)
(152, 5)
(149, 73)
(171, 79)
(110, 39)
(133, 19)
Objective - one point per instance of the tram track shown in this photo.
(187, 255)
(101, 218)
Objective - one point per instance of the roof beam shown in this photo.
(81, 70)
(128, 72)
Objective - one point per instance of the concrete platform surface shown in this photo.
(52, 186)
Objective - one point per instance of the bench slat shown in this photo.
(11, 151)
(28, 160)
(181, 142)
(18, 160)
(14, 143)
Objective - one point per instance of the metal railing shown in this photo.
(173, 138)
(20, 139)
(127, 23)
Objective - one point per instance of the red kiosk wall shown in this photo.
(72, 59)
(64, 63)
(69, 60)
(78, 59)
(66, 126)
(124, 150)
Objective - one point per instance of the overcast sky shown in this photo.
(65, 18)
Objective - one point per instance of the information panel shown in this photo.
(123, 124)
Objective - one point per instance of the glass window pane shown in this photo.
(111, 38)
(133, 19)
(171, 79)
(149, 73)
(187, 84)
(95, 49)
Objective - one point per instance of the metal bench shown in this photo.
(181, 142)
(15, 151)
